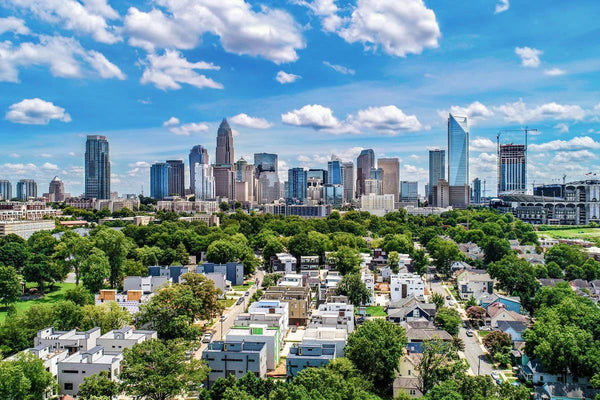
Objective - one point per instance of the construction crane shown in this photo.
(525, 130)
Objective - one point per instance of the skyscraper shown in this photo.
(176, 178)
(364, 163)
(297, 186)
(317, 174)
(334, 171)
(224, 144)
(437, 170)
(56, 190)
(512, 168)
(159, 180)
(409, 191)
(198, 155)
(5, 189)
(97, 167)
(391, 176)
(458, 151)
(265, 162)
(204, 186)
(26, 188)
(333, 194)
(348, 181)
(477, 191)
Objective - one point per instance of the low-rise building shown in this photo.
(72, 341)
(298, 299)
(233, 271)
(309, 263)
(115, 341)
(335, 315)
(474, 283)
(511, 303)
(418, 331)
(130, 300)
(24, 228)
(404, 285)
(497, 312)
(327, 335)
(235, 358)
(271, 308)
(146, 284)
(407, 375)
(471, 250)
(283, 262)
(369, 280)
(75, 368)
(410, 309)
(304, 355)
(49, 356)
(259, 333)
(291, 280)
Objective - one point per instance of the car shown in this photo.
(464, 324)
(207, 337)
(239, 301)
(448, 297)
(294, 328)
(451, 303)
(469, 333)
(223, 318)
(495, 376)
(247, 294)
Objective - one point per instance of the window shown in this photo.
(68, 386)
(69, 371)
(413, 392)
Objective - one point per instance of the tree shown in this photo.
(440, 362)
(355, 289)
(107, 316)
(497, 341)
(14, 254)
(66, 315)
(495, 249)
(71, 252)
(438, 300)
(444, 253)
(271, 248)
(135, 268)
(476, 315)
(471, 302)
(98, 385)
(156, 370)
(573, 272)
(42, 242)
(554, 270)
(591, 269)
(516, 276)
(394, 261)
(420, 261)
(448, 319)
(38, 269)
(224, 206)
(182, 256)
(10, 285)
(375, 349)
(24, 378)
(95, 269)
(564, 255)
(115, 246)
(79, 295)
(346, 260)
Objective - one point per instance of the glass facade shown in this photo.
(512, 167)
(26, 188)
(265, 162)
(97, 168)
(437, 168)
(458, 151)
(5, 189)
(198, 155)
(334, 172)
(297, 185)
(333, 194)
(159, 180)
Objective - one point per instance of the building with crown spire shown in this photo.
(56, 190)
(223, 169)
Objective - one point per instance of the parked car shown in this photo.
(239, 301)
(294, 328)
(448, 297)
(495, 376)
(207, 337)
(451, 303)
(247, 294)
(469, 333)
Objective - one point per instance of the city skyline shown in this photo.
(334, 95)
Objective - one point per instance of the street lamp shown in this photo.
(222, 319)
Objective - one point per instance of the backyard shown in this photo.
(52, 297)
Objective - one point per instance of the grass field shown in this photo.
(244, 287)
(51, 297)
(376, 311)
(572, 233)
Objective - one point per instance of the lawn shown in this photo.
(483, 333)
(376, 311)
(242, 288)
(51, 297)
(572, 233)
(227, 302)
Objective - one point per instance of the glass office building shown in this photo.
(265, 162)
(97, 168)
(334, 172)
(159, 180)
(297, 185)
(458, 151)
(437, 169)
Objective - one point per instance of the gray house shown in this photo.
(235, 358)
(303, 356)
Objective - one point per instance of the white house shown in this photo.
(72, 341)
(259, 333)
(273, 308)
(336, 315)
(74, 369)
(404, 285)
(115, 341)
(147, 284)
(291, 280)
(327, 335)
(369, 280)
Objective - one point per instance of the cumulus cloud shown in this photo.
(554, 72)
(36, 112)
(171, 121)
(474, 112)
(397, 27)
(50, 166)
(65, 57)
(576, 143)
(520, 112)
(573, 156)
(250, 122)
(15, 25)
(188, 129)
(387, 119)
(482, 144)
(314, 116)
(530, 57)
(170, 70)
(326, 10)
(340, 68)
(283, 77)
(269, 33)
(562, 128)
(502, 6)
(89, 17)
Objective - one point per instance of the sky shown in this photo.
(301, 78)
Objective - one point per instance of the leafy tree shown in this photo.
(42, 242)
(24, 378)
(135, 268)
(71, 252)
(271, 280)
(271, 248)
(438, 300)
(155, 370)
(375, 349)
(14, 254)
(39, 269)
(394, 261)
(107, 316)
(444, 253)
(471, 302)
(448, 319)
(224, 206)
(10, 285)
(115, 246)
(67, 315)
(346, 260)
(355, 289)
(497, 341)
(79, 295)
(564, 255)
(554, 270)
(516, 276)
(591, 269)
(98, 385)
(95, 269)
(440, 362)
(476, 314)
(573, 272)
(420, 261)
(495, 249)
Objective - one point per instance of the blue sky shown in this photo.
(301, 78)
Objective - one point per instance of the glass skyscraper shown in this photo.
(26, 188)
(176, 178)
(364, 163)
(437, 170)
(458, 151)
(224, 144)
(512, 168)
(265, 162)
(97, 167)
(297, 185)
(5, 189)
(159, 180)
(334, 172)
(198, 155)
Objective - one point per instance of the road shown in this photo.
(474, 352)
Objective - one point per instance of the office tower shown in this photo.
(198, 155)
(297, 186)
(348, 181)
(97, 167)
(458, 151)
(314, 192)
(245, 181)
(409, 191)
(477, 191)
(460, 196)
(437, 170)
(264, 162)
(5, 189)
(56, 190)
(333, 194)
(269, 187)
(159, 180)
(204, 185)
(441, 194)
(317, 174)
(372, 186)
(364, 163)
(391, 176)
(176, 178)
(26, 188)
(377, 173)
(334, 171)
(224, 181)
(512, 168)
(224, 144)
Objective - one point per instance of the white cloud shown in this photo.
(188, 129)
(170, 70)
(303, 158)
(171, 121)
(339, 68)
(89, 17)
(65, 58)
(251, 122)
(576, 143)
(140, 164)
(36, 112)
(49, 166)
(502, 6)
(268, 32)
(573, 156)
(387, 119)
(15, 155)
(519, 112)
(562, 128)
(72, 153)
(13, 24)
(283, 77)
(326, 10)
(397, 27)
(46, 155)
(529, 57)
(554, 72)
(484, 163)
(474, 112)
(482, 144)
(314, 116)
(19, 168)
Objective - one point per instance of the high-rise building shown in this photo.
(372, 186)
(224, 181)
(512, 168)
(333, 194)
(314, 192)
(159, 180)
(198, 155)
(97, 167)
(317, 174)
(264, 162)
(391, 176)
(224, 145)
(409, 191)
(245, 181)
(437, 170)
(56, 190)
(297, 186)
(458, 151)
(364, 163)
(377, 173)
(26, 188)
(204, 186)
(269, 187)
(477, 191)
(5, 189)
(441, 194)
(348, 181)
(176, 178)
(334, 171)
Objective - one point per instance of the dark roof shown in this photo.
(550, 281)
(517, 326)
(529, 198)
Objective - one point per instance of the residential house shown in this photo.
(407, 376)
(292, 280)
(283, 262)
(115, 341)
(260, 333)
(418, 331)
(497, 312)
(515, 329)
(471, 250)
(369, 280)
(409, 309)
(49, 355)
(298, 298)
(511, 303)
(404, 285)
(233, 271)
(532, 370)
(145, 284)
(226, 358)
(561, 391)
(337, 315)
(547, 242)
(456, 266)
(327, 335)
(475, 283)
(550, 281)
(72, 341)
(75, 368)
(305, 355)
(309, 263)
(273, 313)
(130, 300)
